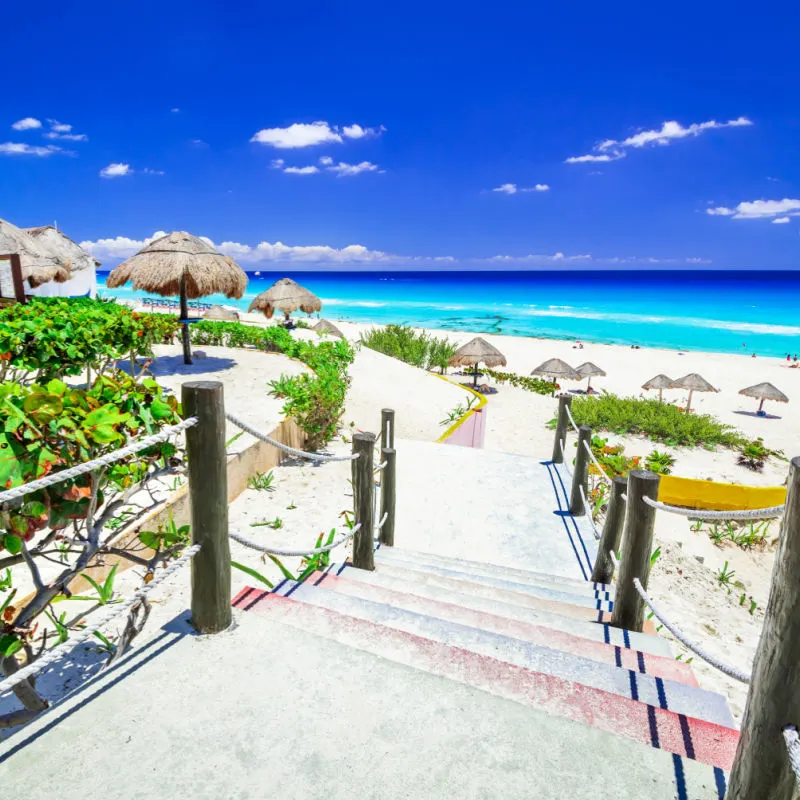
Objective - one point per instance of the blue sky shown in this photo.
(432, 121)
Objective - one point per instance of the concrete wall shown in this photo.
(81, 282)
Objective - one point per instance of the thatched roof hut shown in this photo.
(556, 368)
(589, 370)
(54, 243)
(660, 382)
(764, 391)
(326, 327)
(181, 264)
(221, 314)
(477, 351)
(694, 383)
(287, 296)
(38, 266)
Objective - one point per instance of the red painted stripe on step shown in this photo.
(242, 596)
(535, 634)
(621, 716)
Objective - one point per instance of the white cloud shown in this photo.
(148, 171)
(781, 220)
(198, 142)
(357, 132)
(299, 134)
(175, 111)
(277, 163)
(310, 170)
(512, 188)
(59, 127)
(668, 131)
(698, 260)
(116, 170)
(68, 137)
(343, 170)
(326, 161)
(118, 247)
(772, 179)
(541, 258)
(759, 209)
(21, 149)
(27, 124)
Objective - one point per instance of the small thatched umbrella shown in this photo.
(221, 314)
(475, 352)
(181, 264)
(556, 368)
(694, 383)
(38, 265)
(287, 296)
(660, 382)
(764, 391)
(589, 370)
(324, 326)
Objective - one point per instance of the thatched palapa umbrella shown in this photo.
(181, 264)
(694, 383)
(556, 368)
(221, 314)
(660, 382)
(287, 296)
(324, 326)
(38, 265)
(764, 391)
(589, 370)
(477, 351)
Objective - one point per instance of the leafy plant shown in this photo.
(262, 482)
(105, 591)
(253, 573)
(659, 462)
(725, 575)
(753, 455)
(535, 385)
(459, 411)
(275, 524)
(656, 554)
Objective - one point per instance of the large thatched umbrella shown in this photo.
(764, 391)
(56, 244)
(475, 352)
(181, 264)
(221, 314)
(555, 368)
(694, 383)
(589, 370)
(660, 382)
(324, 326)
(38, 266)
(287, 296)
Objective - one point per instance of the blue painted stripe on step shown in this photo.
(719, 777)
(574, 523)
(651, 719)
(626, 638)
(640, 661)
(680, 777)
(342, 569)
(293, 590)
(606, 635)
(618, 656)
(687, 736)
(563, 520)
(662, 695)
(634, 687)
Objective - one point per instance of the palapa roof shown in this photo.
(323, 326)
(221, 313)
(160, 266)
(54, 243)
(287, 296)
(589, 370)
(765, 391)
(659, 382)
(694, 382)
(477, 351)
(38, 266)
(556, 368)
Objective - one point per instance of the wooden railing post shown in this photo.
(612, 532)
(580, 473)
(562, 423)
(387, 427)
(761, 768)
(208, 494)
(388, 494)
(363, 500)
(637, 547)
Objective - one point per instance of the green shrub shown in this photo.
(658, 421)
(662, 463)
(404, 343)
(536, 385)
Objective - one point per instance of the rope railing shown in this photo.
(614, 560)
(572, 420)
(687, 643)
(381, 466)
(790, 736)
(285, 447)
(278, 551)
(383, 519)
(699, 513)
(592, 456)
(35, 667)
(587, 509)
(101, 461)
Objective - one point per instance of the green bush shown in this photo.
(536, 385)
(658, 421)
(404, 343)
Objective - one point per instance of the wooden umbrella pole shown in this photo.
(761, 405)
(689, 404)
(187, 346)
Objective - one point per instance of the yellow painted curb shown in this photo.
(710, 495)
(459, 422)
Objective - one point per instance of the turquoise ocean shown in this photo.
(728, 312)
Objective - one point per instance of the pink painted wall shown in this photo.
(471, 432)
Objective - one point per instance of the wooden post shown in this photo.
(761, 768)
(580, 473)
(612, 532)
(363, 500)
(16, 277)
(208, 493)
(637, 547)
(187, 345)
(388, 495)
(564, 401)
(387, 427)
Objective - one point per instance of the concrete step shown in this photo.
(450, 610)
(575, 594)
(538, 616)
(248, 714)
(492, 570)
(617, 716)
(647, 689)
